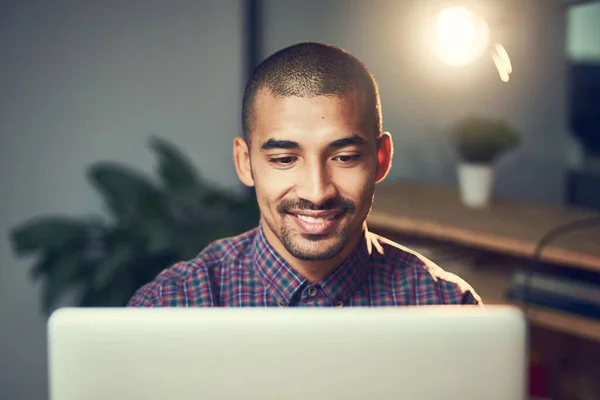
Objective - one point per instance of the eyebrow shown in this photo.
(279, 144)
(348, 141)
(336, 144)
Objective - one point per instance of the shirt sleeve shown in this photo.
(455, 290)
(146, 296)
(156, 292)
(469, 296)
(185, 284)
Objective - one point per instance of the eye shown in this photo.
(283, 161)
(347, 158)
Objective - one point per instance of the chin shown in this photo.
(316, 247)
(315, 256)
(318, 238)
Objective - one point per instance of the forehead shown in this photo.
(316, 118)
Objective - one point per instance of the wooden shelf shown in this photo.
(555, 320)
(587, 328)
(509, 228)
(491, 282)
(559, 321)
(506, 227)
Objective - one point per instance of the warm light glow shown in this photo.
(456, 28)
(461, 37)
(502, 62)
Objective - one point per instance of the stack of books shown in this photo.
(564, 289)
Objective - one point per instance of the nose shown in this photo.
(315, 184)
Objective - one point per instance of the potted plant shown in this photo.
(151, 224)
(479, 143)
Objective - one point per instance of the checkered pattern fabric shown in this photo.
(245, 271)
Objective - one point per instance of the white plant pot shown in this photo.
(475, 181)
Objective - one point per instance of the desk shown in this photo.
(506, 227)
(511, 228)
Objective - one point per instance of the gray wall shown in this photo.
(420, 97)
(84, 81)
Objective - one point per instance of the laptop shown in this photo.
(426, 353)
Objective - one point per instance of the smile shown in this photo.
(315, 220)
(316, 223)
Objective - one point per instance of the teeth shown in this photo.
(315, 220)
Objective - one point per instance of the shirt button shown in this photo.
(339, 304)
(281, 303)
(312, 291)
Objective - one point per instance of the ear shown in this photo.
(241, 159)
(385, 153)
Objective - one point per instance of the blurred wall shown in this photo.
(88, 80)
(420, 97)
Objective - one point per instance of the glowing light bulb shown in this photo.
(456, 28)
(461, 36)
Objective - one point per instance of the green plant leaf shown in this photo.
(153, 226)
(129, 195)
(247, 209)
(114, 295)
(117, 296)
(177, 173)
(483, 140)
(119, 260)
(47, 264)
(160, 236)
(65, 274)
(47, 234)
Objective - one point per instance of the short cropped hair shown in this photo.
(312, 69)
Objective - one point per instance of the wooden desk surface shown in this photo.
(507, 227)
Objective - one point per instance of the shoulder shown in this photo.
(193, 282)
(427, 282)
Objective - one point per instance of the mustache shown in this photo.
(337, 204)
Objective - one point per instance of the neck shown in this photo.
(317, 270)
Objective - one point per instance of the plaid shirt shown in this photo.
(245, 271)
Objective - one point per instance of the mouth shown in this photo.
(316, 223)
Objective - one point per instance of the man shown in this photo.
(313, 148)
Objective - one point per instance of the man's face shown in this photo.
(314, 164)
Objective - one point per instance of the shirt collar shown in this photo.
(284, 282)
